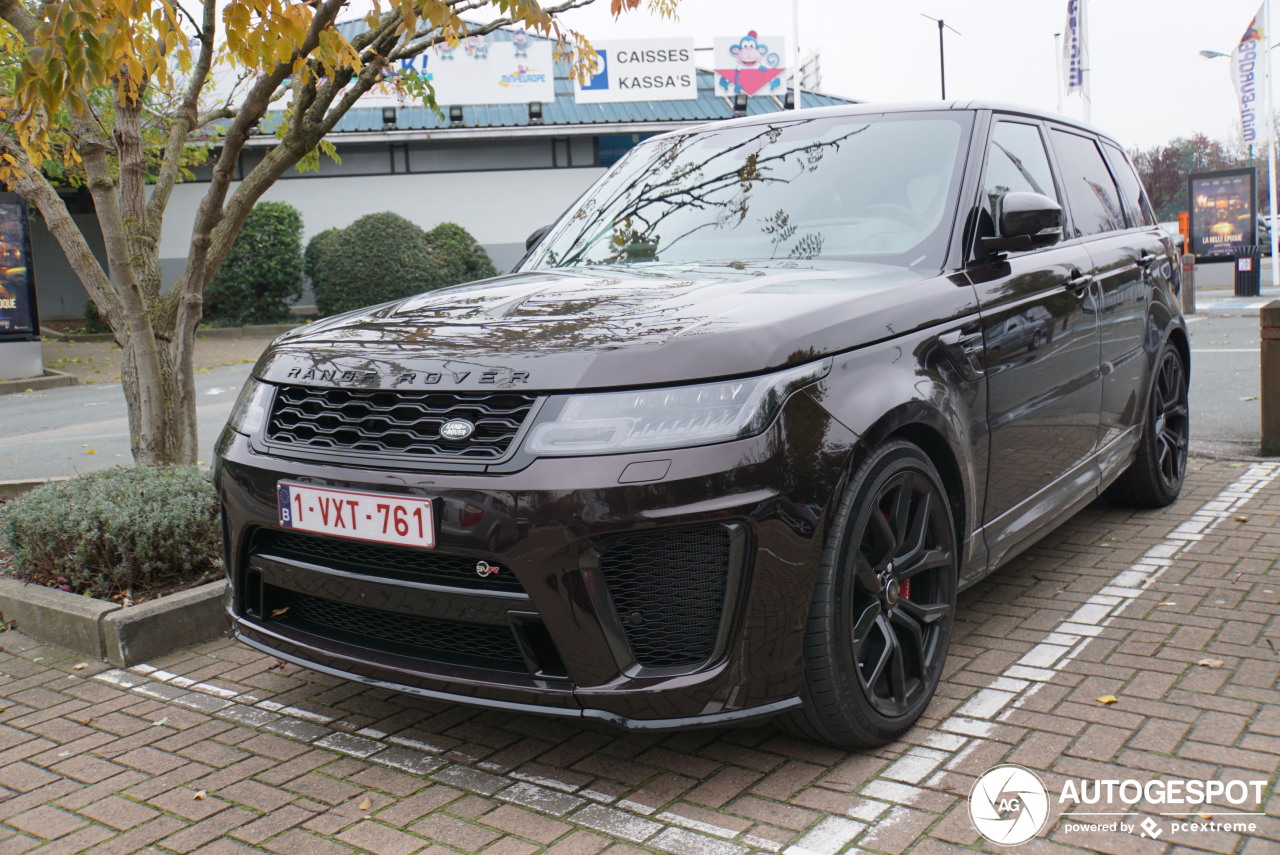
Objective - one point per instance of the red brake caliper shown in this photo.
(904, 587)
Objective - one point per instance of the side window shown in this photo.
(1094, 199)
(1017, 162)
(1137, 207)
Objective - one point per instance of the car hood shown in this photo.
(608, 327)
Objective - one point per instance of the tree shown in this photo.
(1164, 169)
(113, 93)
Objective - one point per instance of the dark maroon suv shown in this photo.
(731, 437)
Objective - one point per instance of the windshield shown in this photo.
(876, 188)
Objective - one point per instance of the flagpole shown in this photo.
(1086, 72)
(1271, 138)
(795, 51)
(1057, 66)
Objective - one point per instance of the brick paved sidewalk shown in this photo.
(218, 749)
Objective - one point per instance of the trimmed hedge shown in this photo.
(378, 258)
(263, 271)
(316, 258)
(119, 531)
(93, 322)
(453, 241)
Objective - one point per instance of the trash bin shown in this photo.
(1248, 270)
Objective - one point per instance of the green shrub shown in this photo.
(263, 271)
(93, 322)
(378, 258)
(117, 531)
(316, 258)
(453, 241)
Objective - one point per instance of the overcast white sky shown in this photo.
(1149, 82)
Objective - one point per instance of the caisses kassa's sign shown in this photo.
(1222, 212)
(18, 317)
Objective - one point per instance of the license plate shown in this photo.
(400, 520)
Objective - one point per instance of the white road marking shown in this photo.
(955, 738)
(977, 717)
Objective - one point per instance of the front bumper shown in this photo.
(584, 619)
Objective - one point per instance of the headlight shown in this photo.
(617, 422)
(250, 411)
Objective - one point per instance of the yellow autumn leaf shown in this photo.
(366, 804)
(1107, 699)
(91, 451)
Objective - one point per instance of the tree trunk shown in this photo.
(162, 417)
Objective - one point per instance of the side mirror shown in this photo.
(532, 240)
(1027, 221)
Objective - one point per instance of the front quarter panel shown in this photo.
(926, 388)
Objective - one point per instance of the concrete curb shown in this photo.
(14, 489)
(51, 380)
(251, 331)
(163, 625)
(106, 630)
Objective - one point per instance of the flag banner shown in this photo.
(1073, 48)
(1246, 74)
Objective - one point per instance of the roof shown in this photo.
(565, 114)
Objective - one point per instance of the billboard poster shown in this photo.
(640, 70)
(18, 318)
(1222, 212)
(480, 70)
(750, 64)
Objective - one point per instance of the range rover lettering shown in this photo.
(728, 441)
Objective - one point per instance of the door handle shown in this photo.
(1080, 282)
(1147, 258)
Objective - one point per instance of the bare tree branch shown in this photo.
(185, 121)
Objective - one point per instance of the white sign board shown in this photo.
(750, 64)
(640, 70)
(480, 71)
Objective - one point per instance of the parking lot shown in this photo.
(1174, 613)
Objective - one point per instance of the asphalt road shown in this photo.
(84, 428)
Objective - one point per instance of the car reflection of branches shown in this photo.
(678, 180)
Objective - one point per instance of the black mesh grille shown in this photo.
(406, 635)
(403, 424)
(373, 559)
(669, 589)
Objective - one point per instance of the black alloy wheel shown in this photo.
(882, 612)
(1170, 421)
(1155, 477)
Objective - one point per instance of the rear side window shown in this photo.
(1137, 208)
(1017, 163)
(1091, 192)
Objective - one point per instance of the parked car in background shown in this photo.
(728, 442)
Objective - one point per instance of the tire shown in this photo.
(875, 647)
(1155, 477)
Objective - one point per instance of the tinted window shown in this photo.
(1137, 208)
(877, 187)
(1017, 163)
(1092, 194)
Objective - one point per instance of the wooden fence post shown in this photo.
(1269, 381)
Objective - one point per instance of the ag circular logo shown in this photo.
(1008, 805)
(457, 429)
